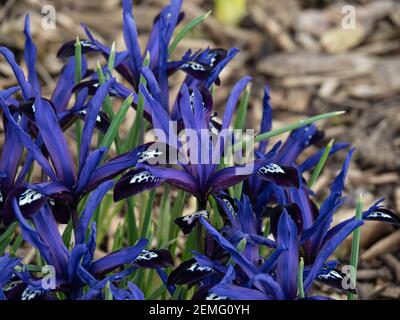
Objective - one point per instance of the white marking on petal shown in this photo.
(146, 255)
(333, 274)
(11, 285)
(30, 294)
(191, 217)
(270, 168)
(144, 176)
(29, 196)
(230, 207)
(150, 154)
(213, 296)
(213, 59)
(98, 118)
(378, 214)
(88, 44)
(196, 267)
(213, 129)
(195, 66)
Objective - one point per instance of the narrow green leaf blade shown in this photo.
(6, 237)
(355, 247)
(137, 127)
(112, 131)
(186, 29)
(318, 169)
(297, 125)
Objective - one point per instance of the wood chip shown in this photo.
(387, 245)
(393, 263)
(340, 40)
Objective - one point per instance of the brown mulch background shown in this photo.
(312, 65)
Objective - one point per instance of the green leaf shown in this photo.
(111, 58)
(78, 61)
(130, 221)
(240, 247)
(109, 210)
(355, 246)
(107, 106)
(118, 238)
(176, 212)
(107, 292)
(147, 216)
(297, 125)
(178, 293)
(186, 29)
(216, 217)
(6, 237)
(318, 169)
(17, 244)
(240, 121)
(112, 131)
(137, 128)
(68, 234)
(300, 279)
(164, 216)
(157, 293)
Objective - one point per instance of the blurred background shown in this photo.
(316, 55)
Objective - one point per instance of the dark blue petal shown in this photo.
(288, 260)
(55, 141)
(88, 169)
(27, 142)
(68, 48)
(233, 100)
(94, 107)
(10, 157)
(279, 174)
(93, 202)
(63, 91)
(18, 72)
(314, 159)
(220, 66)
(115, 166)
(271, 287)
(154, 259)
(131, 39)
(30, 56)
(134, 182)
(225, 244)
(234, 292)
(117, 259)
(188, 222)
(188, 272)
(328, 248)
